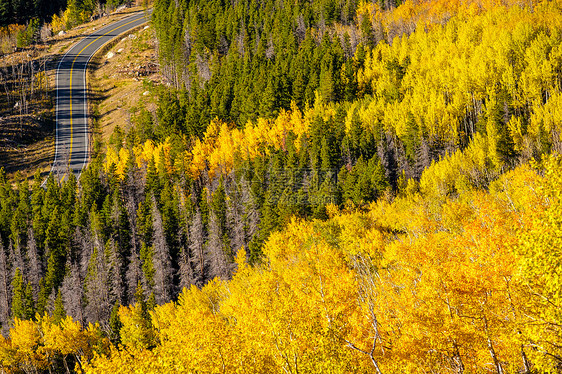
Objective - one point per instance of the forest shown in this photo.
(22, 12)
(325, 186)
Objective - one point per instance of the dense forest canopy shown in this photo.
(423, 284)
(313, 170)
(247, 59)
(22, 11)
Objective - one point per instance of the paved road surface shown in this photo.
(72, 148)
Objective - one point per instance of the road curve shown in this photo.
(72, 136)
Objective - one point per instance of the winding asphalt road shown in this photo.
(71, 145)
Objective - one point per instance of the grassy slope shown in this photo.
(121, 82)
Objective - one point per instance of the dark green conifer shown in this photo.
(22, 297)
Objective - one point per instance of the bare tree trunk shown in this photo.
(162, 260)
(196, 244)
(65, 364)
(457, 359)
(526, 363)
(72, 292)
(35, 272)
(367, 278)
(4, 290)
(497, 363)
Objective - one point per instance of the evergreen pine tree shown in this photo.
(6, 13)
(56, 254)
(35, 265)
(22, 297)
(115, 324)
(59, 313)
(141, 316)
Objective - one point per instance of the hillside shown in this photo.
(314, 186)
(27, 96)
(440, 284)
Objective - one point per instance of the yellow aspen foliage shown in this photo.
(547, 116)
(8, 355)
(27, 342)
(123, 159)
(64, 338)
(460, 171)
(59, 23)
(143, 153)
(117, 160)
(449, 279)
(540, 268)
(443, 65)
(308, 302)
(221, 158)
(69, 339)
(129, 361)
(516, 133)
(111, 158)
(321, 108)
(196, 335)
(437, 77)
(519, 189)
(360, 235)
(421, 283)
(221, 143)
(136, 331)
(35, 346)
(366, 9)
(198, 158)
(146, 152)
(458, 287)
(492, 131)
(404, 18)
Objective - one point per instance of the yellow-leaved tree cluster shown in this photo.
(421, 284)
(42, 344)
(472, 74)
(220, 146)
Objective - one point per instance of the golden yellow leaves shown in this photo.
(431, 282)
(434, 81)
(36, 345)
(547, 117)
(220, 146)
(136, 332)
(141, 154)
(296, 312)
(117, 159)
(25, 345)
